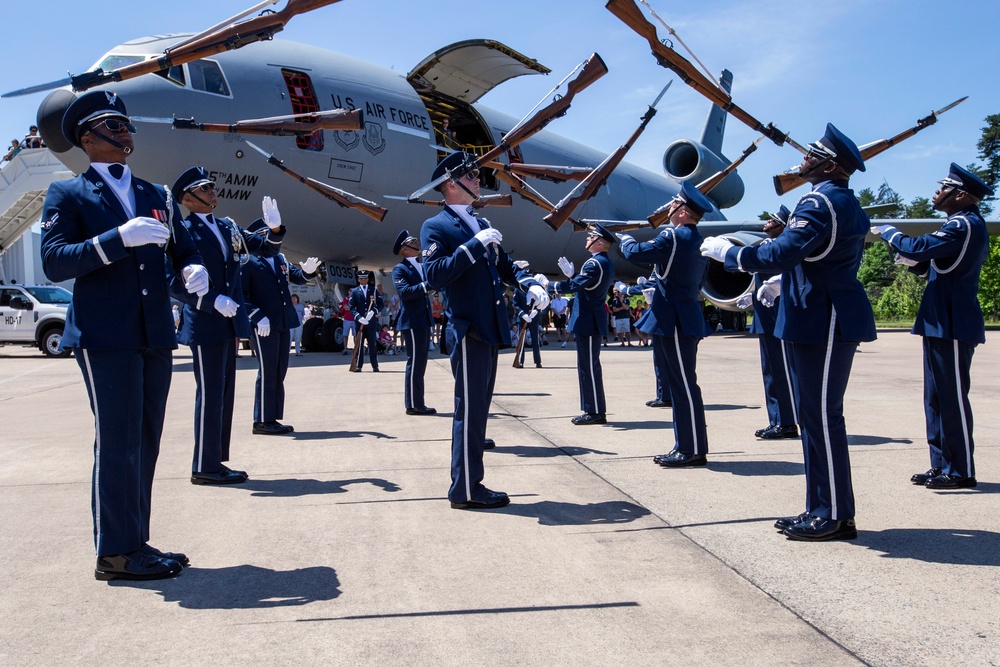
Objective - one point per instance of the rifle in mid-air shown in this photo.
(504, 201)
(278, 126)
(225, 36)
(342, 197)
(790, 179)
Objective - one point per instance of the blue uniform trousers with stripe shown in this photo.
(659, 372)
(536, 343)
(215, 379)
(474, 365)
(774, 362)
(588, 366)
(128, 396)
(368, 338)
(680, 355)
(946, 405)
(416, 342)
(819, 378)
(272, 364)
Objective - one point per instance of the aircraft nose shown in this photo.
(49, 119)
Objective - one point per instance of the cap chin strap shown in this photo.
(459, 183)
(125, 149)
(204, 203)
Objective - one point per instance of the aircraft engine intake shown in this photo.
(688, 160)
(723, 288)
(49, 119)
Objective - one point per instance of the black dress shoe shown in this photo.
(484, 501)
(271, 428)
(587, 419)
(374, 370)
(815, 529)
(778, 432)
(657, 403)
(165, 555)
(921, 477)
(421, 411)
(790, 521)
(488, 443)
(135, 566)
(538, 365)
(950, 482)
(679, 459)
(761, 431)
(659, 458)
(223, 476)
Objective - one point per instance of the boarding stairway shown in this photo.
(23, 183)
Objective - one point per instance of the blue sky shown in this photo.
(872, 67)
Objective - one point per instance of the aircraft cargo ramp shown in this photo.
(23, 182)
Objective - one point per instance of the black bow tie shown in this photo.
(116, 170)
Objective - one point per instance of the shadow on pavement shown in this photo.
(291, 488)
(526, 451)
(335, 435)
(949, 546)
(756, 468)
(551, 513)
(244, 587)
(876, 440)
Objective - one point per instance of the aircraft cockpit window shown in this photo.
(207, 77)
(114, 61)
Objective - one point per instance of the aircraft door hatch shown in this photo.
(303, 98)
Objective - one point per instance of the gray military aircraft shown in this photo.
(408, 124)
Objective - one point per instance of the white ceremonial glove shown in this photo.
(542, 280)
(264, 327)
(769, 291)
(489, 235)
(903, 261)
(195, 279)
(142, 231)
(310, 265)
(647, 294)
(745, 301)
(272, 218)
(538, 296)
(521, 263)
(715, 247)
(641, 280)
(566, 267)
(878, 230)
(363, 321)
(625, 238)
(526, 317)
(226, 306)
(369, 315)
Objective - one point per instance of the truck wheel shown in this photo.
(310, 335)
(50, 344)
(333, 334)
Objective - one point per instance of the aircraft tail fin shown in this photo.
(715, 124)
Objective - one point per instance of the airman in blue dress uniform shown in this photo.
(365, 304)
(588, 320)
(674, 319)
(211, 324)
(112, 232)
(823, 315)
(272, 316)
(774, 360)
(532, 330)
(415, 320)
(950, 321)
(464, 259)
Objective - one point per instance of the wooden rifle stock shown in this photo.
(342, 197)
(788, 181)
(259, 28)
(519, 350)
(541, 171)
(595, 179)
(593, 70)
(482, 202)
(293, 125)
(631, 15)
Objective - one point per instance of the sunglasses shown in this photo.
(204, 187)
(115, 125)
(472, 175)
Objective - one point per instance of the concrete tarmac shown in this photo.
(342, 548)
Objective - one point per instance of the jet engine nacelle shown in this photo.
(723, 288)
(687, 160)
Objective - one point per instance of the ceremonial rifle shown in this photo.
(790, 180)
(359, 338)
(227, 37)
(278, 126)
(589, 186)
(631, 15)
(342, 197)
(482, 202)
(662, 214)
(519, 350)
(590, 71)
(542, 171)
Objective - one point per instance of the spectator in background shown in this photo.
(32, 139)
(15, 148)
(437, 311)
(348, 319)
(296, 332)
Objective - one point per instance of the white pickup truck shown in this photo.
(34, 315)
